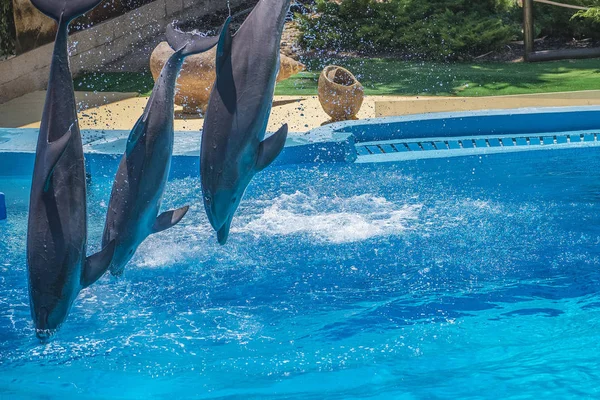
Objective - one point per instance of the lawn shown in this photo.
(393, 77)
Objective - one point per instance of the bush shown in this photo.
(433, 29)
(7, 28)
(559, 22)
(587, 23)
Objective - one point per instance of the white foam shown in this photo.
(332, 219)
(309, 216)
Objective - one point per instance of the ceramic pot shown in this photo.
(341, 95)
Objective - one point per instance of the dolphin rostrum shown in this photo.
(234, 147)
(142, 175)
(57, 228)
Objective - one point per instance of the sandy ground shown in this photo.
(119, 111)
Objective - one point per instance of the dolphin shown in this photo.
(57, 227)
(144, 168)
(233, 146)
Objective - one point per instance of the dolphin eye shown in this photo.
(207, 199)
(234, 200)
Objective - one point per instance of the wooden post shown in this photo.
(528, 27)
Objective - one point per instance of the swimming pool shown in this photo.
(460, 277)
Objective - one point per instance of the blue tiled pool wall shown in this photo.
(339, 149)
(513, 122)
(347, 141)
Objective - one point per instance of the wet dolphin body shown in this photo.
(140, 181)
(57, 229)
(233, 145)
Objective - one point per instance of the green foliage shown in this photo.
(567, 23)
(433, 29)
(7, 28)
(587, 23)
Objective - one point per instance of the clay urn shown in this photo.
(198, 75)
(341, 95)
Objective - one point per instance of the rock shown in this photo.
(198, 75)
(341, 95)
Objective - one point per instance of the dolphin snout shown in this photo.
(44, 335)
(218, 211)
(223, 234)
(42, 328)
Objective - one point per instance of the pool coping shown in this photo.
(336, 142)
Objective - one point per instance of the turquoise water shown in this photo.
(468, 278)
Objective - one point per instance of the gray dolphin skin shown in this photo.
(233, 147)
(144, 168)
(57, 228)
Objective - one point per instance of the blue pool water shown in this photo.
(470, 277)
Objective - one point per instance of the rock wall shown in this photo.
(101, 44)
(34, 29)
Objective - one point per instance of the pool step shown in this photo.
(410, 149)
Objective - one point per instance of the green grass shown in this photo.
(393, 77)
(115, 82)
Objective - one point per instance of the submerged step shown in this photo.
(435, 147)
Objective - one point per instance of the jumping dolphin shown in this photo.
(233, 147)
(57, 229)
(140, 181)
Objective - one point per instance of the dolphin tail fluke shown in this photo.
(191, 43)
(54, 152)
(168, 219)
(65, 10)
(97, 264)
(271, 147)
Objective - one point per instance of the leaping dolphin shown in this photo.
(140, 181)
(233, 148)
(57, 228)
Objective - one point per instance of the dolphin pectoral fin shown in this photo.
(54, 153)
(136, 133)
(97, 264)
(271, 147)
(224, 45)
(223, 232)
(169, 219)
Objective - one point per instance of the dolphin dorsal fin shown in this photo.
(271, 147)
(54, 152)
(137, 132)
(97, 264)
(169, 219)
(224, 45)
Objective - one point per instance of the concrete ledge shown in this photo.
(525, 120)
(337, 142)
(425, 104)
(101, 44)
(103, 151)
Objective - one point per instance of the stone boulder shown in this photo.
(198, 75)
